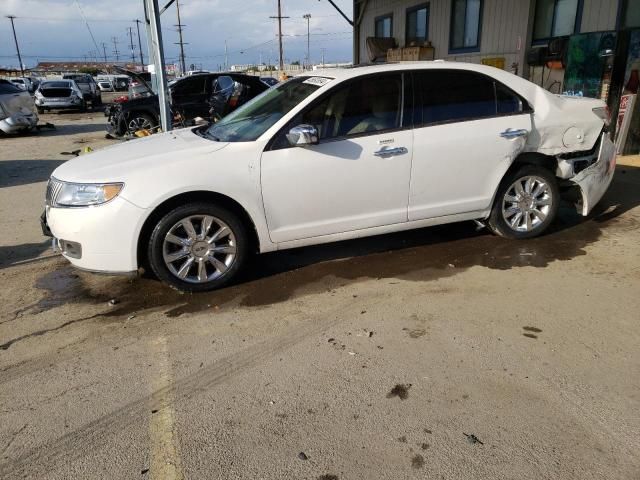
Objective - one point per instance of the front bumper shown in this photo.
(107, 234)
(595, 180)
(18, 122)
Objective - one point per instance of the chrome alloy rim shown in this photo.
(139, 123)
(199, 249)
(526, 203)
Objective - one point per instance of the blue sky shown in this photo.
(54, 30)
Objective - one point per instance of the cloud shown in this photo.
(55, 30)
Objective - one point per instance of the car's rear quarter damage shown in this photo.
(573, 131)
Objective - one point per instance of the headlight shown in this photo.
(85, 195)
(38, 94)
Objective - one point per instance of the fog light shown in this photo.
(70, 249)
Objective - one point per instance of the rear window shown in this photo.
(56, 85)
(77, 78)
(8, 87)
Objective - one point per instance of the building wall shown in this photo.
(506, 27)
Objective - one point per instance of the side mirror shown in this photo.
(303, 135)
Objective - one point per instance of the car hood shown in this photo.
(116, 163)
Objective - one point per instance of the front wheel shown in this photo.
(198, 247)
(526, 203)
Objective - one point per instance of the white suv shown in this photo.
(329, 156)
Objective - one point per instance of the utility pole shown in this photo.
(181, 43)
(156, 52)
(226, 56)
(133, 53)
(323, 50)
(138, 22)
(115, 48)
(15, 38)
(280, 17)
(104, 51)
(307, 16)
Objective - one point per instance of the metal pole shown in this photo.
(133, 53)
(280, 17)
(156, 51)
(308, 17)
(15, 38)
(104, 51)
(226, 56)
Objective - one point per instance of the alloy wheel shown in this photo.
(139, 123)
(527, 203)
(199, 248)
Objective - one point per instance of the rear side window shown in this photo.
(8, 87)
(190, 86)
(446, 96)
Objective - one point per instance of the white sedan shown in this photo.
(330, 156)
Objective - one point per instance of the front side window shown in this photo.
(255, 117)
(466, 18)
(447, 96)
(555, 18)
(384, 26)
(417, 30)
(367, 105)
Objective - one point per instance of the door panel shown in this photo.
(460, 150)
(345, 182)
(457, 167)
(336, 187)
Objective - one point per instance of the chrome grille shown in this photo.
(53, 190)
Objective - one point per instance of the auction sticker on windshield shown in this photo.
(318, 81)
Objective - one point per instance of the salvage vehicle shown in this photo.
(23, 83)
(59, 94)
(90, 90)
(327, 156)
(105, 86)
(206, 95)
(16, 109)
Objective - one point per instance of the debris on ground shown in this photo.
(471, 438)
(303, 456)
(114, 301)
(417, 461)
(75, 153)
(400, 390)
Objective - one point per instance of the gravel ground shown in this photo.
(442, 353)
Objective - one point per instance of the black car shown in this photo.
(210, 96)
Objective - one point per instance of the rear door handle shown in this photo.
(387, 152)
(511, 133)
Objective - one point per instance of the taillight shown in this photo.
(604, 114)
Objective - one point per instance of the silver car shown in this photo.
(59, 94)
(16, 109)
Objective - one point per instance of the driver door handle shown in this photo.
(387, 152)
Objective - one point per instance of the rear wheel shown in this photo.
(140, 121)
(526, 203)
(198, 247)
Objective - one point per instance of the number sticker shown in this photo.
(319, 81)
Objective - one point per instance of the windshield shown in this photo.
(255, 117)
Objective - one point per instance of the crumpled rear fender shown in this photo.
(595, 180)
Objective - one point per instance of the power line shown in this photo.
(15, 38)
(86, 22)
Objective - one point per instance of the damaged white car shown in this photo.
(17, 112)
(330, 156)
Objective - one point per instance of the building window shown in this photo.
(417, 28)
(556, 18)
(384, 26)
(466, 18)
(631, 14)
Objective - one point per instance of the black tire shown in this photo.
(83, 106)
(40, 110)
(497, 222)
(97, 102)
(143, 117)
(170, 222)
